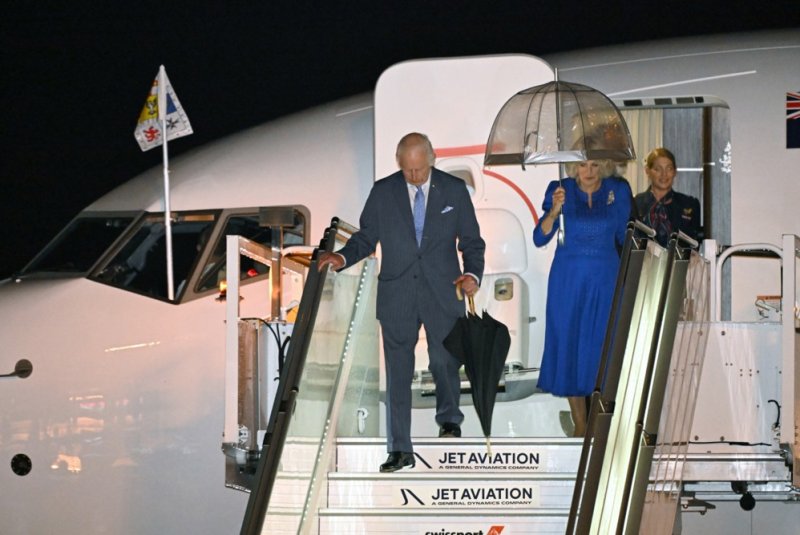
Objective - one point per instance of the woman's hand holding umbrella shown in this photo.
(555, 212)
(559, 196)
(562, 196)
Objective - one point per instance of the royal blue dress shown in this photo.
(581, 283)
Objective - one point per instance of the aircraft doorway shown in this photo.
(697, 131)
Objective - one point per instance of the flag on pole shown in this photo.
(148, 127)
(793, 120)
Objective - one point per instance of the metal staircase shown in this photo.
(638, 468)
(523, 485)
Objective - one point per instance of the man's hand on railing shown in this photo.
(335, 260)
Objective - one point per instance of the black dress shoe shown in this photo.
(449, 430)
(397, 461)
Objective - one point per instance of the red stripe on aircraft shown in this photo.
(444, 152)
(448, 152)
(519, 192)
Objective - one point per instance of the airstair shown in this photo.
(522, 486)
(314, 469)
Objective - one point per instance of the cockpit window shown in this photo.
(214, 269)
(247, 226)
(80, 245)
(141, 263)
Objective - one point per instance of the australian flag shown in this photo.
(793, 120)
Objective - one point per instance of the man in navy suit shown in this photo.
(422, 217)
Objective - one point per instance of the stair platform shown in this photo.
(446, 455)
(334, 521)
(407, 490)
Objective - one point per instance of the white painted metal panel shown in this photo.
(408, 490)
(742, 372)
(470, 456)
(360, 522)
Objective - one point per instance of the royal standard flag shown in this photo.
(793, 120)
(148, 128)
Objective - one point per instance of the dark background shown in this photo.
(75, 73)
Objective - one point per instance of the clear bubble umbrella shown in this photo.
(558, 122)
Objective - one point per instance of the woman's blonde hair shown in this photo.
(607, 168)
(660, 152)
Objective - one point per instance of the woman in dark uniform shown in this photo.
(663, 209)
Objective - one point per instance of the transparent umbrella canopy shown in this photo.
(558, 122)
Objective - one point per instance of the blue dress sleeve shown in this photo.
(539, 237)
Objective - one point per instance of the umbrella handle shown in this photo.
(470, 301)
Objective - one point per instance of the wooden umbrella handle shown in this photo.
(470, 301)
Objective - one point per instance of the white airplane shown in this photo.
(111, 416)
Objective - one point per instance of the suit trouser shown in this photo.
(400, 336)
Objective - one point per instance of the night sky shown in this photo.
(75, 73)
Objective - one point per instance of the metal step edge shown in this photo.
(723, 467)
(450, 476)
(462, 473)
(284, 511)
(467, 441)
(446, 512)
(724, 487)
(293, 474)
(727, 457)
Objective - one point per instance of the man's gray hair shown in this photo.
(415, 139)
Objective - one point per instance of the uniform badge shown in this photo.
(610, 199)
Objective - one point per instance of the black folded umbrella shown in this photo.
(481, 343)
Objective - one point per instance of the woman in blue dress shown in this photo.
(582, 277)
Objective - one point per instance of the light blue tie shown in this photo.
(419, 214)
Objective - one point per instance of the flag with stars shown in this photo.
(148, 127)
(793, 120)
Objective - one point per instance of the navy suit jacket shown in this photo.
(450, 226)
(683, 212)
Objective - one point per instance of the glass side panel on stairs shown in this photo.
(641, 417)
(621, 437)
(337, 393)
(662, 499)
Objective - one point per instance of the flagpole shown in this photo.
(162, 107)
(162, 118)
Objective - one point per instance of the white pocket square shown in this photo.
(447, 209)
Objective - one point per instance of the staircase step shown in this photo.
(290, 490)
(407, 490)
(282, 521)
(470, 455)
(299, 454)
(335, 521)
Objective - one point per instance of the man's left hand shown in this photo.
(469, 286)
